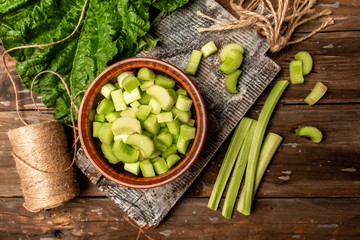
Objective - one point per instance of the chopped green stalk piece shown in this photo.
(155, 159)
(231, 81)
(96, 128)
(143, 112)
(147, 168)
(173, 94)
(208, 49)
(106, 106)
(124, 152)
(105, 134)
(118, 99)
(134, 168)
(271, 143)
(132, 96)
(145, 98)
(316, 93)
(163, 125)
(165, 138)
(181, 115)
(123, 137)
(142, 142)
(110, 117)
(191, 122)
(155, 106)
(146, 85)
(164, 117)
(155, 154)
(183, 103)
(130, 112)
(181, 91)
(296, 74)
(122, 76)
(99, 117)
(232, 62)
(228, 162)
(237, 174)
(160, 166)
(175, 137)
(194, 62)
(182, 145)
(164, 81)
(146, 74)
(130, 83)
(174, 126)
(164, 128)
(229, 48)
(108, 154)
(117, 85)
(151, 124)
(172, 159)
(162, 95)
(306, 60)
(169, 151)
(107, 89)
(187, 132)
(135, 104)
(126, 125)
(160, 145)
(311, 132)
(263, 121)
(147, 133)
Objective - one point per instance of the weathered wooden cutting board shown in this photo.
(178, 32)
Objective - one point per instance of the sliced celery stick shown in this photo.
(99, 117)
(174, 126)
(164, 128)
(110, 117)
(126, 125)
(160, 166)
(162, 95)
(169, 151)
(162, 124)
(316, 93)
(296, 75)
(175, 137)
(228, 162)
(130, 112)
(237, 174)
(106, 106)
(306, 60)
(146, 85)
(232, 62)
(117, 85)
(124, 152)
(229, 48)
(147, 133)
(271, 143)
(107, 89)
(155, 106)
(183, 103)
(187, 132)
(231, 81)
(172, 159)
(263, 121)
(122, 76)
(165, 138)
(181, 115)
(135, 104)
(160, 145)
(146, 74)
(118, 99)
(194, 62)
(142, 142)
(132, 96)
(151, 124)
(108, 154)
(191, 122)
(181, 91)
(208, 49)
(155, 154)
(130, 83)
(105, 134)
(145, 98)
(182, 145)
(96, 128)
(311, 132)
(123, 137)
(164, 81)
(173, 94)
(164, 117)
(143, 112)
(134, 168)
(147, 168)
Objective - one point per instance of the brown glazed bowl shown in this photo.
(91, 146)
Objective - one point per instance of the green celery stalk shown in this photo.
(237, 174)
(263, 121)
(271, 143)
(228, 162)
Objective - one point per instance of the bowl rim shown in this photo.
(86, 138)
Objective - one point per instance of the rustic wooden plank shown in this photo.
(190, 219)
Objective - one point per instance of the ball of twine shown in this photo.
(44, 164)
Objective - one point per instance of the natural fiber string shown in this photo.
(278, 26)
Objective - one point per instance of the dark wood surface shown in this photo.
(310, 191)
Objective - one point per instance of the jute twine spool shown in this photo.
(42, 160)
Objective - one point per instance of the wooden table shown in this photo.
(310, 191)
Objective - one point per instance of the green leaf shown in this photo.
(168, 5)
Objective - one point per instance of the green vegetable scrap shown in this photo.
(109, 31)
